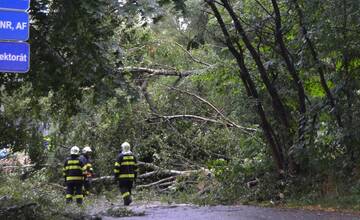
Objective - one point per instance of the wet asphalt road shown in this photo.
(190, 212)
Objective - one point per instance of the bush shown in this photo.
(32, 198)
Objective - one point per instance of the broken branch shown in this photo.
(159, 183)
(158, 72)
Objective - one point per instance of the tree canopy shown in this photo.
(245, 88)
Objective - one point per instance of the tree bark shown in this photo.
(252, 92)
(278, 105)
(284, 52)
(317, 61)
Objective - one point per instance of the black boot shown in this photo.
(127, 200)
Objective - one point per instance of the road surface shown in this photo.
(191, 212)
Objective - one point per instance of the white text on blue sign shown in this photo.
(14, 57)
(14, 25)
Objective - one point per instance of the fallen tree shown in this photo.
(154, 176)
(159, 177)
(163, 182)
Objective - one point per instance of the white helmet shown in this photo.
(125, 147)
(86, 149)
(75, 150)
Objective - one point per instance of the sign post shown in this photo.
(14, 30)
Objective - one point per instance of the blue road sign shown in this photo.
(14, 25)
(22, 5)
(14, 57)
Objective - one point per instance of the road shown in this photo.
(191, 212)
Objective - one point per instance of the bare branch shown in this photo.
(191, 56)
(148, 165)
(157, 172)
(200, 98)
(158, 72)
(200, 118)
(263, 7)
(157, 183)
(233, 124)
(148, 98)
(161, 171)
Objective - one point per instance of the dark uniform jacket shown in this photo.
(125, 167)
(87, 166)
(73, 169)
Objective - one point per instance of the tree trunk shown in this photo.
(317, 61)
(252, 92)
(278, 105)
(284, 52)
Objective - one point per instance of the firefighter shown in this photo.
(125, 172)
(88, 170)
(74, 176)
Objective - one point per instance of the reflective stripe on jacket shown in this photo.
(73, 169)
(125, 167)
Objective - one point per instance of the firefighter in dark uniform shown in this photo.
(126, 172)
(74, 176)
(88, 169)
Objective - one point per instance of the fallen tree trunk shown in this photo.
(169, 180)
(157, 171)
(160, 171)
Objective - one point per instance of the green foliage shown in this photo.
(21, 128)
(314, 88)
(33, 198)
(123, 212)
(75, 95)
